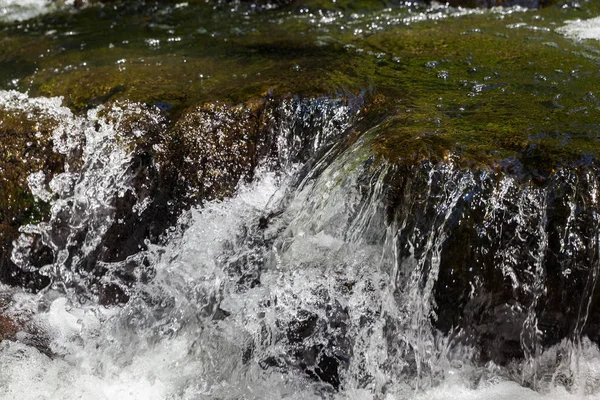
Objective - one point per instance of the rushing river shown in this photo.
(305, 283)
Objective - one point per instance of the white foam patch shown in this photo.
(19, 10)
(29, 374)
(582, 29)
(500, 391)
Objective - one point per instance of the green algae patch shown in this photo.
(480, 85)
(488, 93)
(178, 56)
(178, 82)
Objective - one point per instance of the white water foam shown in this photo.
(582, 29)
(20, 10)
(96, 357)
(499, 391)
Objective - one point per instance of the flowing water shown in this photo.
(262, 294)
(328, 275)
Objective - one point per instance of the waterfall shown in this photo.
(329, 272)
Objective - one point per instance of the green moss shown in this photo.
(484, 87)
(489, 94)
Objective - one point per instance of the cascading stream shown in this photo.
(330, 274)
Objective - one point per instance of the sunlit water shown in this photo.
(582, 29)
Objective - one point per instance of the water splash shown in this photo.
(334, 275)
(99, 169)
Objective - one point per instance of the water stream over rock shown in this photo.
(172, 233)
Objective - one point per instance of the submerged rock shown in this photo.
(512, 264)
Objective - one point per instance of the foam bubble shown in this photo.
(582, 29)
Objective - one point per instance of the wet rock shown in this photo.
(496, 278)
(475, 99)
(8, 327)
(26, 147)
(320, 346)
(513, 264)
(210, 149)
(20, 327)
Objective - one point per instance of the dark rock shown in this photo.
(20, 327)
(27, 147)
(514, 263)
(314, 343)
(8, 328)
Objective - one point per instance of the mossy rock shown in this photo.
(484, 86)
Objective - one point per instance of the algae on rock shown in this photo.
(484, 85)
